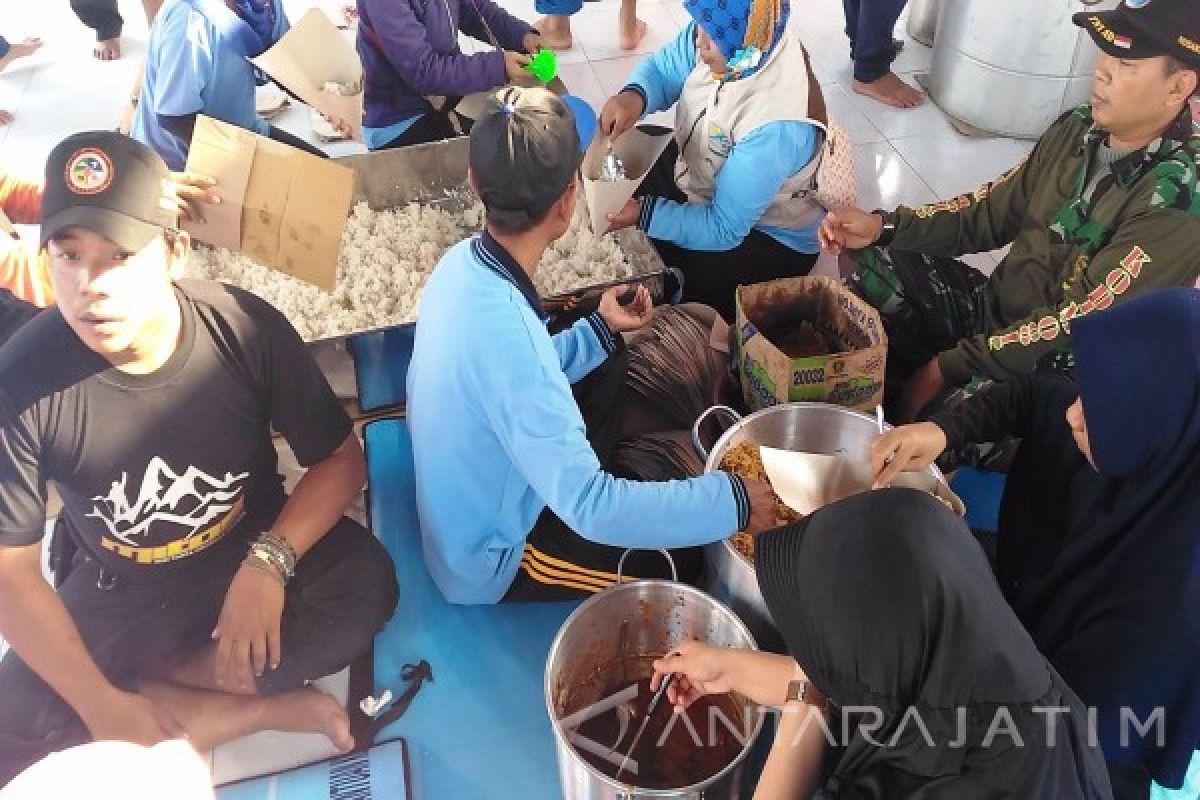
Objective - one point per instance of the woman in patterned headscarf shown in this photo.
(731, 201)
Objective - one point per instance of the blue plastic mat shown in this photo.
(480, 730)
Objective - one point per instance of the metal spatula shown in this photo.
(654, 701)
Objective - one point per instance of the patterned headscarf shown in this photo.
(745, 31)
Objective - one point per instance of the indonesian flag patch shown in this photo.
(1122, 41)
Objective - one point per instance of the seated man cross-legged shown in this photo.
(203, 598)
(514, 498)
(1105, 208)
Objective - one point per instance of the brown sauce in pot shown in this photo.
(672, 752)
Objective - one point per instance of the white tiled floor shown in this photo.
(903, 156)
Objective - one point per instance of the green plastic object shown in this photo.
(544, 65)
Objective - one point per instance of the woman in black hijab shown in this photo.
(935, 691)
(1099, 539)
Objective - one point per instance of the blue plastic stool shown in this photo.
(479, 730)
(981, 492)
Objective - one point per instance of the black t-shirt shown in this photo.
(14, 312)
(169, 471)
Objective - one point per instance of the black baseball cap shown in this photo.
(109, 184)
(525, 150)
(1147, 28)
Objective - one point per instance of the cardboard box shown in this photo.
(284, 208)
(312, 53)
(851, 377)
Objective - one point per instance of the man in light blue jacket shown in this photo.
(514, 501)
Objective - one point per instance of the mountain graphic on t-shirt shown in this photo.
(166, 502)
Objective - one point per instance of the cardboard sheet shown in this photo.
(806, 482)
(638, 151)
(311, 54)
(284, 208)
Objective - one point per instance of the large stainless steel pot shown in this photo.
(922, 20)
(613, 637)
(800, 427)
(1012, 68)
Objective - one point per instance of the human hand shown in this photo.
(532, 42)
(849, 228)
(247, 631)
(764, 513)
(127, 717)
(514, 65)
(626, 217)
(629, 317)
(620, 113)
(700, 669)
(907, 448)
(924, 387)
(188, 192)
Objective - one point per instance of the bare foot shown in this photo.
(310, 710)
(556, 32)
(631, 36)
(108, 49)
(21, 49)
(6, 117)
(891, 91)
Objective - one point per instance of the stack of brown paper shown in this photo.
(312, 54)
(638, 151)
(284, 208)
(806, 482)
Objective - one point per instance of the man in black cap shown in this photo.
(1106, 207)
(203, 598)
(514, 499)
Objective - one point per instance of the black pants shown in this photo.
(343, 593)
(432, 127)
(558, 563)
(280, 135)
(101, 16)
(712, 278)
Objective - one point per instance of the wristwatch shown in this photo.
(804, 692)
(888, 234)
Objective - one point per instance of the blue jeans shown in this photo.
(558, 7)
(869, 24)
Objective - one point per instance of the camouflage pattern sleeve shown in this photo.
(987, 218)
(1155, 248)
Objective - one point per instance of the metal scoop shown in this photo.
(612, 168)
(654, 701)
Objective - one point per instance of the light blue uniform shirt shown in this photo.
(498, 437)
(749, 179)
(195, 64)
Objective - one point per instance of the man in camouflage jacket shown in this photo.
(1106, 207)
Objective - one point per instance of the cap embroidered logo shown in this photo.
(1122, 41)
(89, 171)
(1137, 3)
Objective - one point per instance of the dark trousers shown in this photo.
(99, 15)
(712, 277)
(558, 563)
(870, 25)
(343, 593)
(280, 135)
(432, 127)
(4, 47)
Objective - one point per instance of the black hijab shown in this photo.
(886, 601)
(1103, 565)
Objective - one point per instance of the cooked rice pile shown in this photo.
(745, 460)
(385, 260)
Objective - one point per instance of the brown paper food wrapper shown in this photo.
(638, 151)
